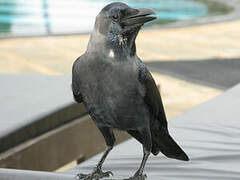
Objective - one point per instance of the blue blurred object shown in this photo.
(41, 17)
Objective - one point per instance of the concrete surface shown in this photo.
(32, 105)
(208, 133)
(220, 74)
(55, 55)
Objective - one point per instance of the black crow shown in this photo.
(117, 88)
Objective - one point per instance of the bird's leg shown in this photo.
(97, 172)
(147, 145)
(139, 174)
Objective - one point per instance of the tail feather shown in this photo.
(163, 142)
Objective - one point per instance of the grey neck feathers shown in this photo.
(123, 46)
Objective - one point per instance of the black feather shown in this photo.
(116, 87)
(161, 139)
(75, 82)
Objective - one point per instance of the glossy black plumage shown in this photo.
(117, 88)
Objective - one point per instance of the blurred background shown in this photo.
(192, 50)
(44, 17)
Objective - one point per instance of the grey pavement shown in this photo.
(222, 74)
(32, 105)
(209, 133)
(10, 174)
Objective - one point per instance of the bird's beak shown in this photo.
(138, 16)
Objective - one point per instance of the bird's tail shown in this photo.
(163, 142)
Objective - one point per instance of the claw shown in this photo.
(97, 174)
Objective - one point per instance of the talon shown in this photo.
(97, 174)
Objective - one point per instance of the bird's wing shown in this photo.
(152, 96)
(75, 81)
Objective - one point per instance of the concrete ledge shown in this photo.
(40, 121)
(32, 105)
(78, 139)
(10, 174)
(209, 133)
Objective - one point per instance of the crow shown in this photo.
(117, 89)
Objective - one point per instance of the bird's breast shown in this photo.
(114, 95)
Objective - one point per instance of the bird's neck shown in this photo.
(123, 44)
(119, 45)
(116, 47)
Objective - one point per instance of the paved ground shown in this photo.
(55, 55)
(221, 74)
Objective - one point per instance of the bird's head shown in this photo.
(120, 23)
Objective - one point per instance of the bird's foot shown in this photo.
(96, 174)
(138, 176)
